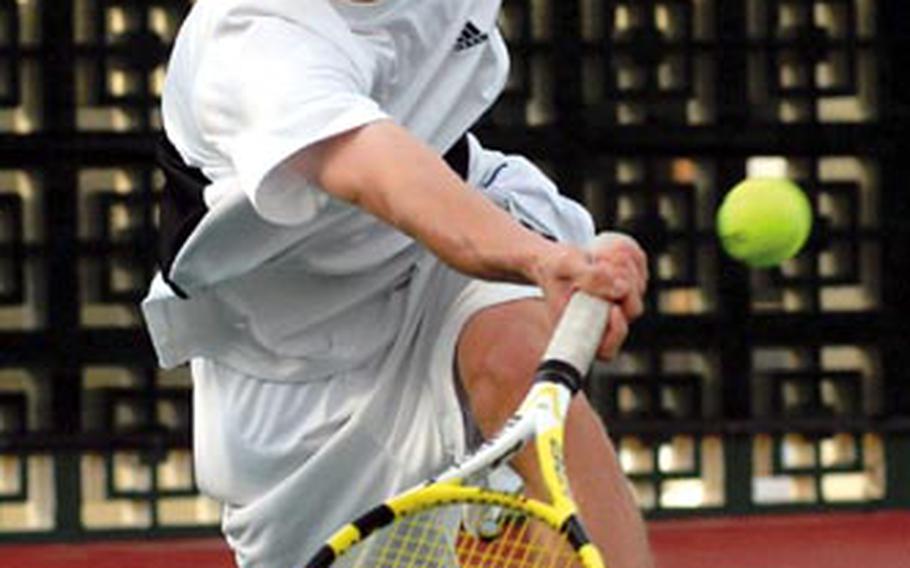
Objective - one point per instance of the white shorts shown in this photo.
(294, 461)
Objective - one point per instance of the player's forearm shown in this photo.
(387, 172)
(460, 225)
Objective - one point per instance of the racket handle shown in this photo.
(581, 326)
(579, 331)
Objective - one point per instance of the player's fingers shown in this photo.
(615, 273)
(624, 246)
(625, 254)
(633, 305)
(598, 280)
(615, 336)
(612, 277)
(634, 271)
(630, 287)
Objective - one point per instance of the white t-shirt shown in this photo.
(276, 266)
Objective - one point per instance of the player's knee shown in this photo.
(498, 351)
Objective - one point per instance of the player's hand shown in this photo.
(616, 269)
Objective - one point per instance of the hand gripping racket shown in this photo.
(454, 521)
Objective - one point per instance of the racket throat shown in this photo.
(495, 452)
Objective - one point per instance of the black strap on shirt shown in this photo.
(458, 157)
(183, 205)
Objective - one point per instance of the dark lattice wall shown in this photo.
(742, 391)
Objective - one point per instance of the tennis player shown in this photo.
(359, 285)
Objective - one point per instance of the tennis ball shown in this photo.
(764, 221)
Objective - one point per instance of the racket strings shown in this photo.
(522, 542)
(415, 543)
(437, 539)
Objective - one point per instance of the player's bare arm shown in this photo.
(389, 173)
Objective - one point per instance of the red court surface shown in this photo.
(856, 540)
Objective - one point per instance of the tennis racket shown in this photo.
(455, 521)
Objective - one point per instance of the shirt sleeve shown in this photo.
(272, 87)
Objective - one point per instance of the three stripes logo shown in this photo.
(469, 37)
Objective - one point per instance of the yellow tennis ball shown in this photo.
(764, 221)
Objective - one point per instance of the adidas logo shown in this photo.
(469, 37)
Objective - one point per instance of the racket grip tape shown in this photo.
(578, 332)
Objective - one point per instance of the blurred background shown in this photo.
(742, 392)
